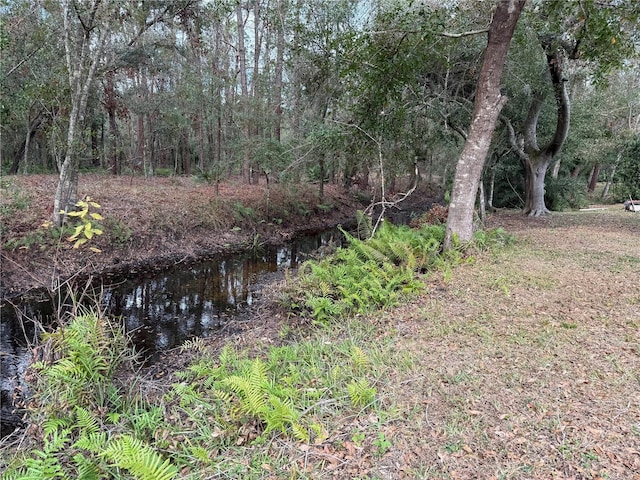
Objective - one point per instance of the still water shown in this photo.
(159, 310)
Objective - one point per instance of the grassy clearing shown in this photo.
(522, 364)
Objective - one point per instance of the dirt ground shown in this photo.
(154, 222)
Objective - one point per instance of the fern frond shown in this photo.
(140, 459)
(53, 424)
(360, 393)
(94, 442)
(300, 433)
(250, 387)
(87, 468)
(199, 453)
(196, 345)
(187, 393)
(86, 421)
(364, 224)
(359, 358)
(280, 414)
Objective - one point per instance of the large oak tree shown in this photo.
(488, 104)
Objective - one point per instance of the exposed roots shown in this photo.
(537, 212)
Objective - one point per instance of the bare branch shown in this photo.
(464, 34)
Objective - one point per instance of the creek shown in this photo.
(159, 310)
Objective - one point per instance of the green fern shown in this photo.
(364, 224)
(261, 398)
(323, 309)
(251, 387)
(139, 459)
(199, 453)
(53, 424)
(359, 358)
(90, 350)
(187, 393)
(86, 421)
(93, 442)
(87, 468)
(300, 432)
(360, 393)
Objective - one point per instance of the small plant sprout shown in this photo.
(382, 444)
(85, 229)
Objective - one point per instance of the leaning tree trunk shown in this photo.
(535, 178)
(488, 104)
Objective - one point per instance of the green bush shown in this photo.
(565, 193)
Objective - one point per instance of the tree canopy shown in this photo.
(345, 90)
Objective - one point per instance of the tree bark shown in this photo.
(536, 169)
(593, 180)
(277, 127)
(82, 57)
(242, 70)
(487, 107)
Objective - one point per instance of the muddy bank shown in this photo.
(152, 224)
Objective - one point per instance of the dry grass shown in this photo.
(524, 365)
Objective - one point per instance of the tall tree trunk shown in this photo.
(82, 60)
(277, 100)
(605, 192)
(242, 70)
(140, 147)
(488, 104)
(492, 185)
(593, 180)
(296, 80)
(111, 106)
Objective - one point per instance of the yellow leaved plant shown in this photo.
(86, 228)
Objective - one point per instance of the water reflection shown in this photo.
(163, 310)
(159, 310)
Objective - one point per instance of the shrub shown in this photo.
(564, 193)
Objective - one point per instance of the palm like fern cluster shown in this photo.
(368, 274)
(78, 406)
(275, 392)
